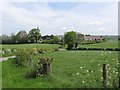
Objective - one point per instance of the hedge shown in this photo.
(103, 49)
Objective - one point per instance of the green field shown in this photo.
(108, 44)
(22, 46)
(70, 69)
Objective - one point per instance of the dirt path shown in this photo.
(6, 58)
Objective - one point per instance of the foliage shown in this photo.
(34, 35)
(13, 38)
(76, 44)
(69, 39)
(40, 69)
(56, 40)
(21, 37)
(5, 39)
(47, 41)
(22, 58)
(50, 39)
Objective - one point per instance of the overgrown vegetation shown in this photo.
(23, 58)
(42, 68)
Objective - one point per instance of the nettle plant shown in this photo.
(42, 68)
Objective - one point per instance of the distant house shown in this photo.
(93, 38)
(79, 36)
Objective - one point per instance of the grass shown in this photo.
(70, 69)
(44, 46)
(73, 69)
(27, 46)
(108, 44)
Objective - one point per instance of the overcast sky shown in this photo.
(98, 18)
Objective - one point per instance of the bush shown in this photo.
(22, 57)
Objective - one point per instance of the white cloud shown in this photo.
(102, 29)
(59, 0)
(98, 23)
(51, 22)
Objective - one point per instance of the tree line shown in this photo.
(34, 36)
(71, 39)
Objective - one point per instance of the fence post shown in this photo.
(119, 81)
(104, 73)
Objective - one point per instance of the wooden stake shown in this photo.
(104, 68)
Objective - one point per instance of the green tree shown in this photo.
(13, 38)
(34, 35)
(69, 39)
(55, 40)
(21, 37)
(5, 39)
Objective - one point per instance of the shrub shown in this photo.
(22, 58)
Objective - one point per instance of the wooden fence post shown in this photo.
(119, 81)
(104, 73)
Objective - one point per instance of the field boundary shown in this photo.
(98, 49)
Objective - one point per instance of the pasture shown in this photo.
(70, 69)
(108, 44)
(22, 46)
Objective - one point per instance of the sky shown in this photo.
(95, 18)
